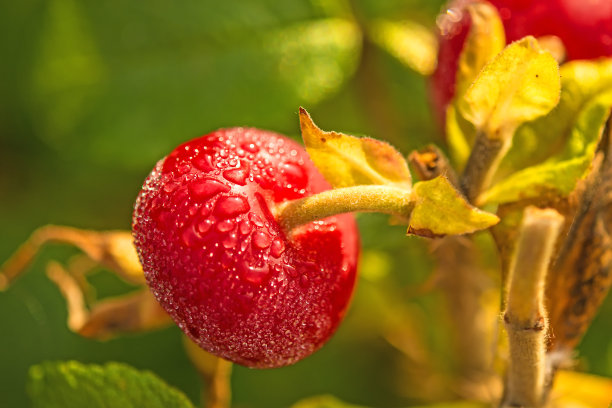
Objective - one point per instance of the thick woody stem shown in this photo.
(370, 198)
(525, 317)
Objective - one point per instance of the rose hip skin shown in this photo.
(219, 263)
(584, 26)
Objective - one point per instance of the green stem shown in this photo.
(369, 198)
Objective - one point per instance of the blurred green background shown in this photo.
(94, 92)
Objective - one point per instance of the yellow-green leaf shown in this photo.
(411, 43)
(518, 85)
(347, 161)
(439, 209)
(583, 84)
(550, 177)
(587, 110)
(485, 40)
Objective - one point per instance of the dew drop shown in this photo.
(245, 227)
(261, 240)
(243, 245)
(290, 270)
(256, 219)
(204, 189)
(190, 236)
(193, 210)
(294, 174)
(238, 175)
(304, 281)
(277, 247)
(250, 147)
(230, 206)
(204, 226)
(206, 210)
(184, 168)
(225, 225)
(203, 163)
(255, 274)
(230, 240)
(170, 187)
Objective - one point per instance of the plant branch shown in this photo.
(369, 198)
(525, 317)
(215, 373)
(482, 164)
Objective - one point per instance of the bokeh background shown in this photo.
(92, 93)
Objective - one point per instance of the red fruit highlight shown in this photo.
(220, 264)
(584, 27)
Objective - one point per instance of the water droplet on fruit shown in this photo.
(277, 247)
(243, 245)
(193, 210)
(255, 274)
(225, 226)
(244, 227)
(250, 147)
(256, 219)
(203, 189)
(230, 206)
(170, 187)
(304, 281)
(206, 210)
(230, 240)
(190, 236)
(204, 226)
(294, 174)
(290, 270)
(203, 162)
(238, 175)
(261, 240)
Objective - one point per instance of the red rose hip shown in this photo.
(221, 265)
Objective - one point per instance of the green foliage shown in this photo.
(180, 70)
(518, 85)
(569, 135)
(75, 385)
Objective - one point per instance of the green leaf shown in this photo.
(485, 40)
(347, 161)
(583, 84)
(439, 209)
(75, 385)
(411, 43)
(519, 85)
(574, 128)
(129, 82)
